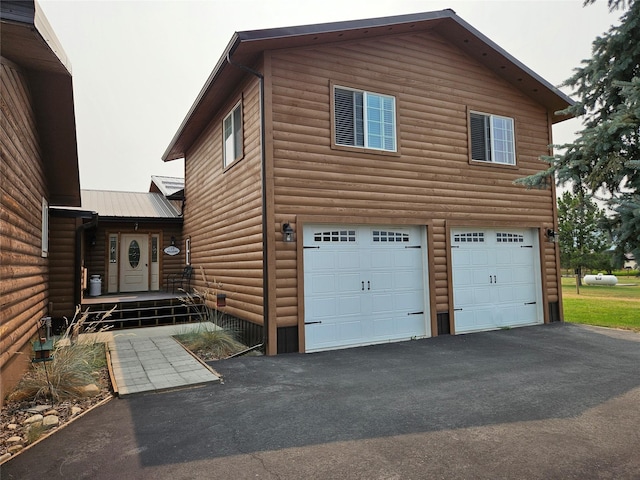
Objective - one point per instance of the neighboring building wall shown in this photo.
(24, 271)
(223, 213)
(96, 243)
(431, 181)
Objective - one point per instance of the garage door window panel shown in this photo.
(335, 236)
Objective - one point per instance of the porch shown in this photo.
(141, 309)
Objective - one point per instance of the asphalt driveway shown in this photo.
(556, 401)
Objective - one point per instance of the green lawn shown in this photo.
(605, 306)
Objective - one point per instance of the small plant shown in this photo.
(73, 365)
(211, 343)
(214, 338)
(35, 431)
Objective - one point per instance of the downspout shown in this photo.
(265, 237)
(77, 296)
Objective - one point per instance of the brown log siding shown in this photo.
(63, 271)
(24, 273)
(223, 212)
(435, 86)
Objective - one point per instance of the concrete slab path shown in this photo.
(150, 359)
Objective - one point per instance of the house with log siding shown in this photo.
(352, 183)
(39, 170)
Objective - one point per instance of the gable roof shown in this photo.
(167, 186)
(246, 48)
(129, 205)
(28, 41)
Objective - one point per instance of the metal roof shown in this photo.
(167, 185)
(125, 205)
(247, 47)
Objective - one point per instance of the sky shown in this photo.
(138, 65)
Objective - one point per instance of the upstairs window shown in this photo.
(492, 139)
(232, 135)
(364, 119)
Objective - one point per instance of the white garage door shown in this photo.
(363, 285)
(496, 278)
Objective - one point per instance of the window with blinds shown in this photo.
(492, 139)
(364, 119)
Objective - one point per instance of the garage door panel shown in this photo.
(464, 277)
(347, 283)
(480, 277)
(322, 308)
(380, 282)
(479, 257)
(347, 332)
(347, 306)
(380, 261)
(407, 302)
(323, 284)
(482, 295)
(382, 303)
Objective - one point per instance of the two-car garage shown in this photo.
(369, 284)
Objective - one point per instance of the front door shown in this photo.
(134, 263)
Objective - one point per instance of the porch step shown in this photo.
(143, 313)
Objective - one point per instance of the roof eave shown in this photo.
(248, 45)
(176, 148)
(29, 42)
(505, 65)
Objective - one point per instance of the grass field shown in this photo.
(617, 306)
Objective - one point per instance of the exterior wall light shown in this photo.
(288, 235)
(552, 236)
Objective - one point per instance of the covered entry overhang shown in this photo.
(137, 243)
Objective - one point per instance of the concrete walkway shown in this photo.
(149, 359)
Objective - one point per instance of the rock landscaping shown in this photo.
(23, 422)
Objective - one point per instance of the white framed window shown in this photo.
(45, 227)
(232, 135)
(364, 119)
(492, 138)
(187, 251)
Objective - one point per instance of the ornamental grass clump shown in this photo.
(74, 365)
(211, 343)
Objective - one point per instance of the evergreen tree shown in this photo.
(605, 157)
(583, 243)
